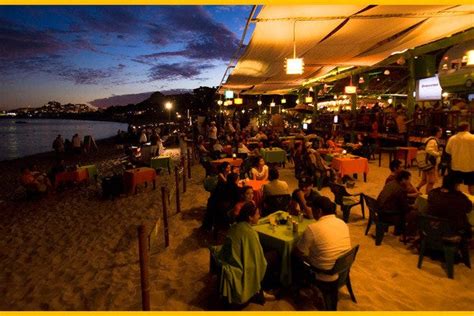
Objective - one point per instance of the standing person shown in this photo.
(58, 146)
(76, 144)
(143, 138)
(154, 143)
(213, 131)
(461, 149)
(434, 154)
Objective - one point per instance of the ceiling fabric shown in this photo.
(327, 36)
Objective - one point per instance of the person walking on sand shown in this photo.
(434, 154)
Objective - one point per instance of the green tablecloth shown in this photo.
(163, 162)
(421, 203)
(92, 170)
(282, 240)
(274, 155)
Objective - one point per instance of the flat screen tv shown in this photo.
(428, 89)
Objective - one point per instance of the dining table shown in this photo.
(273, 155)
(232, 161)
(281, 238)
(349, 164)
(408, 154)
(75, 176)
(163, 162)
(134, 177)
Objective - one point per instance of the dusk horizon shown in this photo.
(90, 54)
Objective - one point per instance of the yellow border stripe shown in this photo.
(228, 2)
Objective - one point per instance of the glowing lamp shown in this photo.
(238, 101)
(390, 101)
(219, 102)
(283, 101)
(272, 104)
(294, 66)
(308, 99)
(259, 102)
(350, 89)
(470, 57)
(386, 72)
(229, 94)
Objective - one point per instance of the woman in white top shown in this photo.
(260, 171)
(433, 151)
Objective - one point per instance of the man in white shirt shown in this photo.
(461, 149)
(324, 241)
(275, 186)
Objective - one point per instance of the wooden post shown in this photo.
(165, 216)
(189, 164)
(143, 253)
(176, 176)
(184, 174)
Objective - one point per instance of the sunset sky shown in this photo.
(82, 53)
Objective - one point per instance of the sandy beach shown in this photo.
(75, 250)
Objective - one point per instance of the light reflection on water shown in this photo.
(37, 135)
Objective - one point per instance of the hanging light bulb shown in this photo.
(283, 101)
(259, 102)
(361, 80)
(238, 100)
(386, 72)
(294, 66)
(297, 101)
(219, 102)
(272, 104)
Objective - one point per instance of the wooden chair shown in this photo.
(343, 199)
(330, 290)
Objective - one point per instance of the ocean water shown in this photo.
(37, 135)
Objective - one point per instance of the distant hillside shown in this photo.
(120, 100)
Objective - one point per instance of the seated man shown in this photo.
(244, 263)
(393, 200)
(450, 203)
(275, 186)
(325, 240)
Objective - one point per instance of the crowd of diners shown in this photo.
(232, 204)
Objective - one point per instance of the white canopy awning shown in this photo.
(327, 36)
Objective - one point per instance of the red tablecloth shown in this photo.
(78, 175)
(409, 151)
(257, 191)
(348, 166)
(233, 162)
(133, 177)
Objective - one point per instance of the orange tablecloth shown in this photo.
(136, 176)
(409, 151)
(78, 175)
(323, 151)
(257, 190)
(348, 166)
(233, 162)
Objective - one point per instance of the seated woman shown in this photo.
(450, 203)
(303, 197)
(332, 144)
(244, 264)
(224, 170)
(395, 168)
(246, 195)
(260, 170)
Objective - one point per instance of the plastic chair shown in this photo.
(330, 290)
(273, 203)
(380, 225)
(342, 198)
(436, 233)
